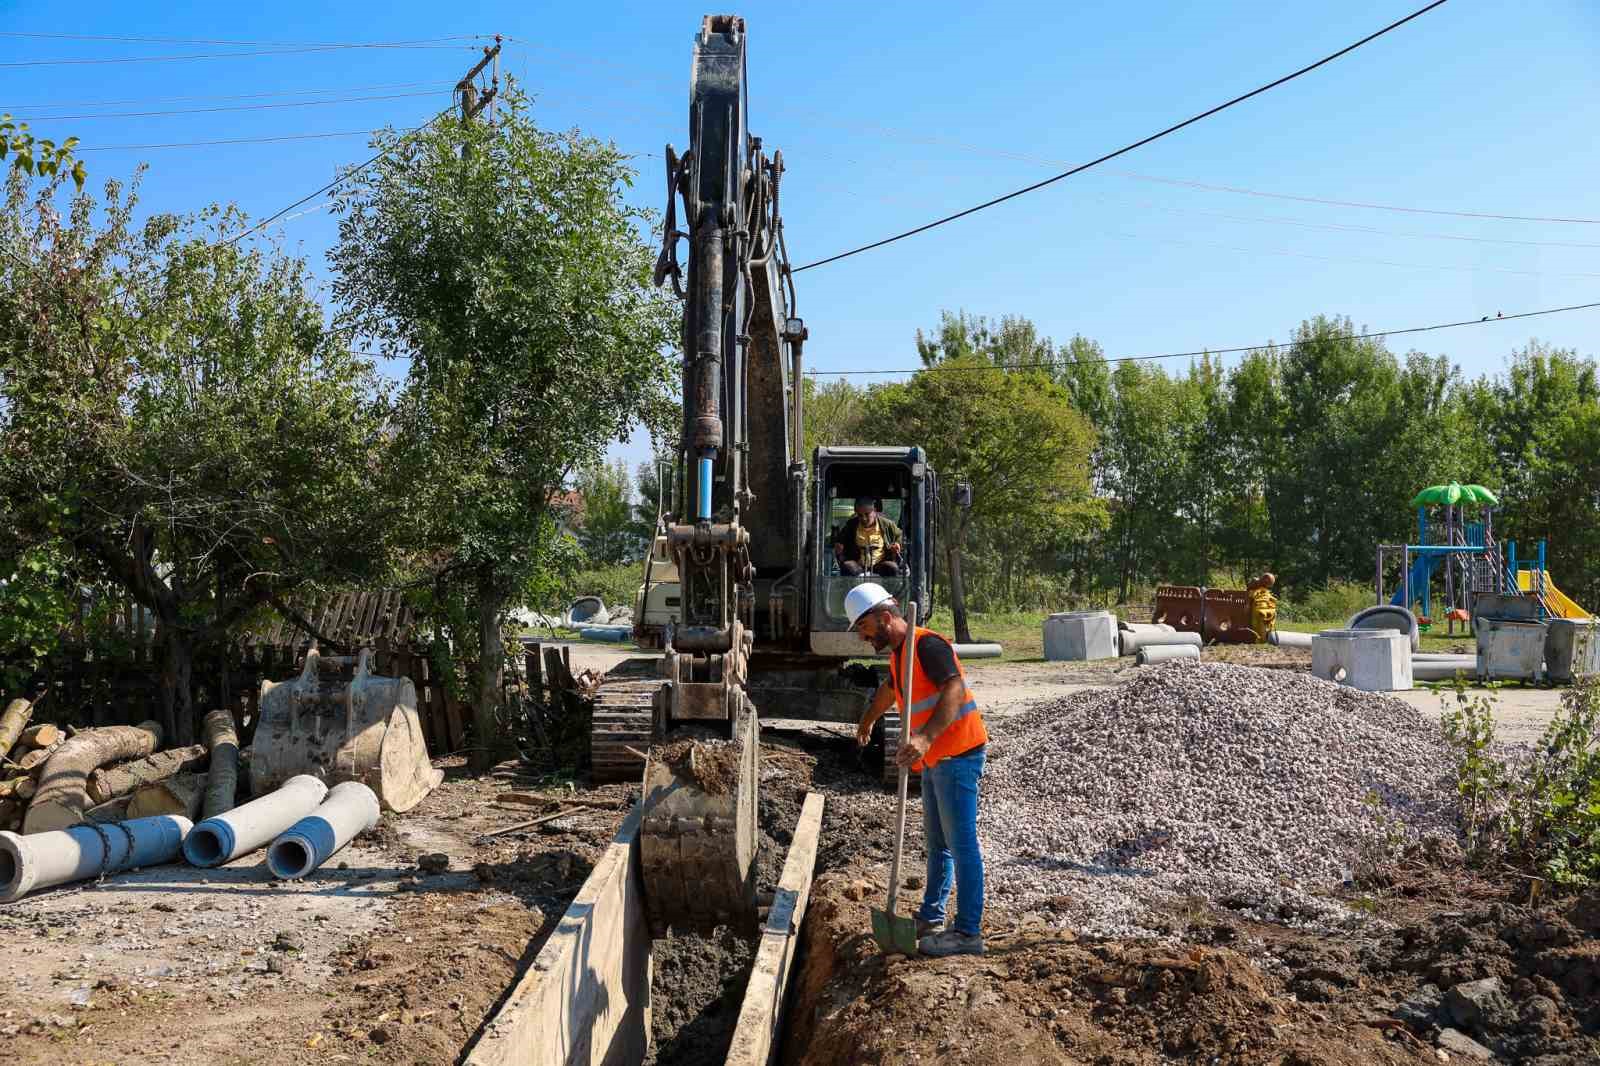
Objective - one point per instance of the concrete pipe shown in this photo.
(1133, 643)
(41, 860)
(1285, 639)
(978, 651)
(1160, 653)
(1145, 627)
(350, 810)
(1387, 616)
(242, 830)
(1444, 667)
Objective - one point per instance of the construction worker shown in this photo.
(869, 543)
(946, 744)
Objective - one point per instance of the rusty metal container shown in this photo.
(338, 722)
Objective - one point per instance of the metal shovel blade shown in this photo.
(894, 933)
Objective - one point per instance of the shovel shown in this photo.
(893, 932)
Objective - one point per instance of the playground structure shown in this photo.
(1220, 616)
(1469, 560)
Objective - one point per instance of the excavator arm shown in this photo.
(742, 348)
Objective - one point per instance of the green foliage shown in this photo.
(608, 528)
(505, 265)
(1333, 602)
(38, 156)
(1542, 812)
(176, 413)
(37, 600)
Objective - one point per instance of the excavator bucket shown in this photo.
(700, 830)
(338, 722)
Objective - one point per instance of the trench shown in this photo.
(699, 981)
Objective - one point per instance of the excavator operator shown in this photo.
(869, 543)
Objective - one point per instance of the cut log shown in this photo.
(13, 721)
(223, 744)
(34, 761)
(10, 814)
(9, 786)
(115, 811)
(180, 794)
(108, 783)
(43, 735)
(26, 788)
(63, 797)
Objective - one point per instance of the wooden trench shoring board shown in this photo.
(761, 1016)
(585, 999)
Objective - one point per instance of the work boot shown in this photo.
(927, 928)
(950, 942)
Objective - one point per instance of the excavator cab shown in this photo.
(907, 487)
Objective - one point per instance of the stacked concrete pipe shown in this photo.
(40, 860)
(1145, 627)
(350, 809)
(242, 830)
(1133, 641)
(1160, 653)
(1442, 667)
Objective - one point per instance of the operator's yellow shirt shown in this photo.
(869, 539)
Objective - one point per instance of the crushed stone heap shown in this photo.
(1254, 789)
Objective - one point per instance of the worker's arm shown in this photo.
(881, 700)
(944, 712)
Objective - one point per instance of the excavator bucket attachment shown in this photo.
(700, 830)
(338, 722)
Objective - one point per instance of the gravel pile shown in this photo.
(1249, 788)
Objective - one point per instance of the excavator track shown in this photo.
(891, 745)
(700, 834)
(619, 732)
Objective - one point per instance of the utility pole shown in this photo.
(467, 93)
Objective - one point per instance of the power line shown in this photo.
(1043, 364)
(244, 107)
(226, 140)
(246, 44)
(336, 182)
(213, 96)
(232, 55)
(1346, 50)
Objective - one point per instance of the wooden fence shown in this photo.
(96, 687)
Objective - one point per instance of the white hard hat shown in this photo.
(863, 598)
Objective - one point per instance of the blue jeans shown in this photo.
(950, 831)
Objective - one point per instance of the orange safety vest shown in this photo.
(961, 735)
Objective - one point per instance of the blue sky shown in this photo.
(891, 114)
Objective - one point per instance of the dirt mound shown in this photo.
(1041, 995)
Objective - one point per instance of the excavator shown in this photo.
(759, 627)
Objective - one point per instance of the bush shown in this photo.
(1334, 602)
(617, 585)
(1542, 813)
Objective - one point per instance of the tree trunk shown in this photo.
(109, 783)
(958, 585)
(63, 797)
(177, 699)
(182, 795)
(43, 735)
(223, 781)
(488, 744)
(13, 722)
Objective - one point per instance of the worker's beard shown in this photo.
(881, 640)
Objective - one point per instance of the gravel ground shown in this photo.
(1253, 789)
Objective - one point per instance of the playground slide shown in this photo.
(1559, 603)
(1421, 572)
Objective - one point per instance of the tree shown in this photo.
(38, 156)
(833, 413)
(504, 264)
(1015, 436)
(608, 533)
(177, 415)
